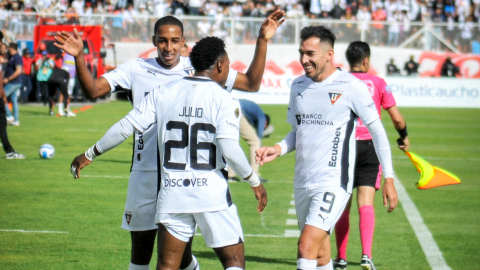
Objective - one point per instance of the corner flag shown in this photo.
(431, 176)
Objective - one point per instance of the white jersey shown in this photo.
(137, 77)
(325, 115)
(191, 114)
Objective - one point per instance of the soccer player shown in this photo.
(137, 77)
(323, 110)
(197, 124)
(367, 170)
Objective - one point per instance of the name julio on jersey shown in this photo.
(312, 119)
(192, 112)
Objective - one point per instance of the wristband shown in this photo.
(403, 132)
(90, 153)
(283, 146)
(254, 181)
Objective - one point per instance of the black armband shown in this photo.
(403, 132)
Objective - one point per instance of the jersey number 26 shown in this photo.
(194, 146)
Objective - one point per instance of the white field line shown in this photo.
(104, 176)
(440, 158)
(25, 231)
(432, 252)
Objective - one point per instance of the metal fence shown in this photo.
(244, 30)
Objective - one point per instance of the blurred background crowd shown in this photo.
(383, 23)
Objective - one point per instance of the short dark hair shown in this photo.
(167, 20)
(13, 46)
(206, 52)
(324, 34)
(356, 52)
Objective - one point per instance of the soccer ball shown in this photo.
(46, 151)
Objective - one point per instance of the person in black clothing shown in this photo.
(7, 147)
(449, 69)
(411, 67)
(392, 69)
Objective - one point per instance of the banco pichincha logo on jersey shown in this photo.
(312, 119)
(334, 95)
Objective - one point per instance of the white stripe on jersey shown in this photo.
(191, 114)
(325, 114)
(137, 77)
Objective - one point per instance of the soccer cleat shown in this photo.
(14, 155)
(10, 119)
(366, 263)
(263, 180)
(50, 113)
(339, 264)
(15, 123)
(70, 114)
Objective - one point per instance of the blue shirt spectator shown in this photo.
(15, 60)
(254, 115)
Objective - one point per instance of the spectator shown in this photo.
(449, 69)
(392, 69)
(195, 6)
(68, 65)
(378, 16)
(254, 125)
(393, 30)
(44, 67)
(466, 34)
(12, 81)
(27, 79)
(363, 17)
(411, 67)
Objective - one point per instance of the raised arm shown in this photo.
(251, 80)
(73, 45)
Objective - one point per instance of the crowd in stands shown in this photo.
(386, 23)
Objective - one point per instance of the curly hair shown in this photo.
(205, 52)
(356, 52)
(167, 20)
(324, 34)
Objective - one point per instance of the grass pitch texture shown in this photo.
(48, 220)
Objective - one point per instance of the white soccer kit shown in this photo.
(324, 115)
(191, 115)
(137, 77)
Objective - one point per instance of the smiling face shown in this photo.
(314, 57)
(169, 42)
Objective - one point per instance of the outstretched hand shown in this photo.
(271, 23)
(267, 154)
(71, 44)
(80, 162)
(261, 196)
(389, 194)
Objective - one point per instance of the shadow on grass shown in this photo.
(248, 258)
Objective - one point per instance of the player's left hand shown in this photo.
(271, 23)
(403, 144)
(261, 196)
(77, 164)
(389, 193)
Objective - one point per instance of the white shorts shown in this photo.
(141, 204)
(219, 229)
(320, 207)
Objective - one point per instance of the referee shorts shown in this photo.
(368, 171)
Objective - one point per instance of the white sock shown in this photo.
(304, 264)
(60, 108)
(234, 268)
(138, 267)
(328, 266)
(193, 265)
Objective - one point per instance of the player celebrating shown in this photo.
(367, 170)
(324, 106)
(197, 124)
(137, 77)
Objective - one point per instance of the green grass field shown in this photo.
(85, 214)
